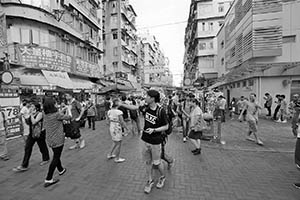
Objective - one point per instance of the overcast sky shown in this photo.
(171, 37)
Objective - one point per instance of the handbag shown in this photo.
(71, 129)
(37, 129)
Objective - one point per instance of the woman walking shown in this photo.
(196, 126)
(116, 127)
(36, 135)
(55, 137)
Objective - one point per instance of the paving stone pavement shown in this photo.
(227, 172)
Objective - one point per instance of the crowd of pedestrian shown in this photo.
(152, 117)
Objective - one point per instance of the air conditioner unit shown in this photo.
(65, 37)
(286, 82)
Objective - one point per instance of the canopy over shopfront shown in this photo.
(60, 79)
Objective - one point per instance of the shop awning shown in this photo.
(82, 84)
(33, 80)
(217, 84)
(60, 79)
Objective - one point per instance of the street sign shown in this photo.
(187, 82)
(7, 77)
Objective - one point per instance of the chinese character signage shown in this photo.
(44, 58)
(87, 69)
(3, 33)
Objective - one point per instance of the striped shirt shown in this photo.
(54, 129)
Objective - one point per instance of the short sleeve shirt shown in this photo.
(113, 115)
(194, 115)
(75, 108)
(152, 120)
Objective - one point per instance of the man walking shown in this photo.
(91, 114)
(252, 117)
(268, 103)
(155, 123)
(76, 111)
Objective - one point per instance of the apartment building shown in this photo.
(53, 44)
(259, 49)
(120, 41)
(205, 19)
(155, 65)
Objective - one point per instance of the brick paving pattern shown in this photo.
(237, 170)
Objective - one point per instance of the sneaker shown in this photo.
(4, 158)
(62, 172)
(284, 122)
(75, 146)
(148, 186)
(20, 169)
(298, 166)
(44, 162)
(82, 144)
(197, 152)
(184, 139)
(279, 121)
(297, 185)
(51, 182)
(161, 182)
(109, 156)
(119, 160)
(259, 142)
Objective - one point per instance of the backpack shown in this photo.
(170, 127)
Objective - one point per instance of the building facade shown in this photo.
(259, 42)
(53, 43)
(120, 41)
(205, 20)
(155, 66)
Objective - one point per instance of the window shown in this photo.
(115, 36)
(104, 69)
(221, 7)
(289, 39)
(35, 37)
(25, 36)
(244, 83)
(251, 82)
(238, 85)
(211, 26)
(222, 44)
(15, 35)
(115, 65)
(222, 61)
(203, 26)
(211, 45)
(233, 85)
(115, 51)
(81, 26)
(202, 46)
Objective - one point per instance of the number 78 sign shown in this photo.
(13, 121)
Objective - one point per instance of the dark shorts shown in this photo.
(195, 134)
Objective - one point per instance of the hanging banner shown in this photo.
(45, 58)
(3, 32)
(86, 68)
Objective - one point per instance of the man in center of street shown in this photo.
(155, 124)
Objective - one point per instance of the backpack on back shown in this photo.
(159, 114)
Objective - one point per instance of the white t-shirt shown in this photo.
(25, 114)
(113, 115)
(194, 115)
